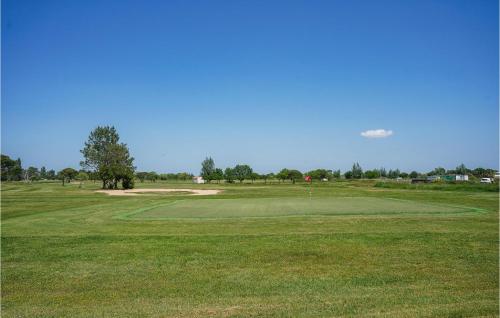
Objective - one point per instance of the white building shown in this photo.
(198, 180)
(461, 177)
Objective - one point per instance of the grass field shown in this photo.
(353, 249)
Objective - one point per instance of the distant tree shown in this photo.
(12, 170)
(283, 174)
(413, 174)
(229, 175)
(43, 173)
(294, 175)
(348, 174)
(254, 176)
(320, 174)
(242, 172)
(107, 157)
(152, 176)
(336, 174)
(393, 174)
(31, 174)
(218, 175)
(207, 169)
(439, 171)
(171, 176)
(184, 176)
(461, 169)
(372, 174)
(141, 176)
(51, 174)
(82, 176)
(267, 176)
(67, 174)
(357, 172)
(404, 175)
(383, 172)
(483, 173)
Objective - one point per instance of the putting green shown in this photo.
(282, 207)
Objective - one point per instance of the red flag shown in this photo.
(308, 178)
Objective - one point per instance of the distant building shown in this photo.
(420, 180)
(455, 177)
(198, 180)
(433, 178)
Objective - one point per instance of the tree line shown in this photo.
(12, 170)
(244, 172)
(108, 160)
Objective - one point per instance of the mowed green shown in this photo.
(283, 207)
(254, 250)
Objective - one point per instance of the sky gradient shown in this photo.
(272, 84)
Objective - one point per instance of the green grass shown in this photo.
(255, 250)
(277, 207)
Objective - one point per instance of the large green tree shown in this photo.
(67, 174)
(218, 175)
(229, 175)
(294, 175)
(207, 169)
(242, 172)
(11, 169)
(110, 159)
(357, 172)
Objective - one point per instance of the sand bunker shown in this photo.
(139, 191)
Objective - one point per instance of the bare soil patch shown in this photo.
(143, 191)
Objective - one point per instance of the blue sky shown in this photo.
(272, 84)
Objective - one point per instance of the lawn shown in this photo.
(352, 249)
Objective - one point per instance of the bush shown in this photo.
(128, 183)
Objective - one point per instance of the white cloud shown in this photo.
(377, 133)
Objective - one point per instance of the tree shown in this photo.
(207, 169)
(439, 171)
(357, 172)
(218, 175)
(393, 174)
(483, 173)
(404, 175)
(152, 176)
(348, 174)
(51, 174)
(67, 174)
(229, 175)
(242, 172)
(267, 176)
(336, 174)
(31, 174)
(461, 169)
(107, 157)
(294, 175)
(82, 176)
(184, 176)
(254, 176)
(382, 172)
(413, 174)
(141, 176)
(372, 174)
(320, 174)
(283, 174)
(11, 169)
(43, 173)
